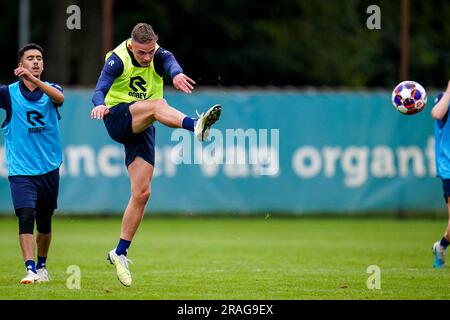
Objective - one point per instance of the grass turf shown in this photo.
(239, 258)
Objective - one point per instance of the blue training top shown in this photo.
(31, 130)
(442, 144)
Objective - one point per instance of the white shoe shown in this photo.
(30, 278)
(439, 255)
(43, 275)
(121, 263)
(205, 121)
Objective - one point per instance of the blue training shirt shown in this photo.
(164, 62)
(442, 144)
(31, 130)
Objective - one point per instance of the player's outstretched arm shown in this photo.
(165, 62)
(441, 108)
(55, 95)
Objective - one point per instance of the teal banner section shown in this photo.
(272, 151)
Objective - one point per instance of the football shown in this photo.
(409, 97)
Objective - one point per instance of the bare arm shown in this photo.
(441, 108)
(55, 95)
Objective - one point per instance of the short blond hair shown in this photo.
(143, 33)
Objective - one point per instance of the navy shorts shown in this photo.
(446, 188)
(38, 192)
(118, 125)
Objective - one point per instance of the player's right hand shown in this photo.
(25, 73)
(99, 112)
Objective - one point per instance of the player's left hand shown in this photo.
(183, 82)
(24, 73)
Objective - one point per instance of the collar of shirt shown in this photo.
(30, 95)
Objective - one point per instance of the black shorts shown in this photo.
(118, 125)
(446, 188)
(38, 192)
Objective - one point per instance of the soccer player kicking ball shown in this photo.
(34, 155)
(129, 98)
(442, 149)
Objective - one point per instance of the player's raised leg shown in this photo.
(140, 172)
(145, 112)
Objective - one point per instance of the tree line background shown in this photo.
(245, 42)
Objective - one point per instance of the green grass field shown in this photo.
(236, 258)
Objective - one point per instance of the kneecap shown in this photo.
(26, 218)
(44, 223)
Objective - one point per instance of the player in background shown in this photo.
(129, 98)
(442, 154)
(33, 155)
